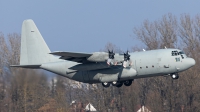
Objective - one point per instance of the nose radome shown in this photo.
(191, 61)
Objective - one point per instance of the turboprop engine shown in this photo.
(111, 58)
(127, 60)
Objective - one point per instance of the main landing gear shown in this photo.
(174, 76)
(117, 83)
(106, 84)
(128, 83)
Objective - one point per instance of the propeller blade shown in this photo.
(109, 61)
(124, 64)
(127, 61)
(111, 56)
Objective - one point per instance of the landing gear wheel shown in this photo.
(105, 84)
(175, 76)
(119, 84)
(115, 83)
(128, 82)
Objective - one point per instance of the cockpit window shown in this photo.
(181, 52)
(175, 53)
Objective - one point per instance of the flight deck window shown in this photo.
(172, 53)
(175, 53)
(182, 56)
(181, 53)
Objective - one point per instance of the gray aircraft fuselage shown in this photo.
(99, 67)
(144, 64)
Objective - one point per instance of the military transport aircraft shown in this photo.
(99, 67)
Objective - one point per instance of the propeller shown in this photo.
(126, 59)
(111, 56)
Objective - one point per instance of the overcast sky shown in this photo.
(87, 25)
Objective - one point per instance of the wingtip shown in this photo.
(26, 66)
(55, 52)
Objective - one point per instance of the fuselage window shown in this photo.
(177, 59)
(146, 66)
(152, 66)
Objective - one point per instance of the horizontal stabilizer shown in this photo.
(27, 66)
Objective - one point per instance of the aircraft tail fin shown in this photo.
(34, 50)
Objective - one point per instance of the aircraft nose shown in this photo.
(191, 62)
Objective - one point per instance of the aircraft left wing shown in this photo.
(73, 56)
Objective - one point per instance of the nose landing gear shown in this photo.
(175, 76)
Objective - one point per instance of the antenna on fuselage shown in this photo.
(165, 47)
(144, 50)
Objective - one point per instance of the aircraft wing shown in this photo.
(73, 56)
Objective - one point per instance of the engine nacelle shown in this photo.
(103, 56)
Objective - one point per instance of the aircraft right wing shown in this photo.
(90, 57)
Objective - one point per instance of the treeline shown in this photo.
(25, 90)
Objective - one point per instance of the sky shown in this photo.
(88, 25)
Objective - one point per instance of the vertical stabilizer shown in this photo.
(34, 50)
